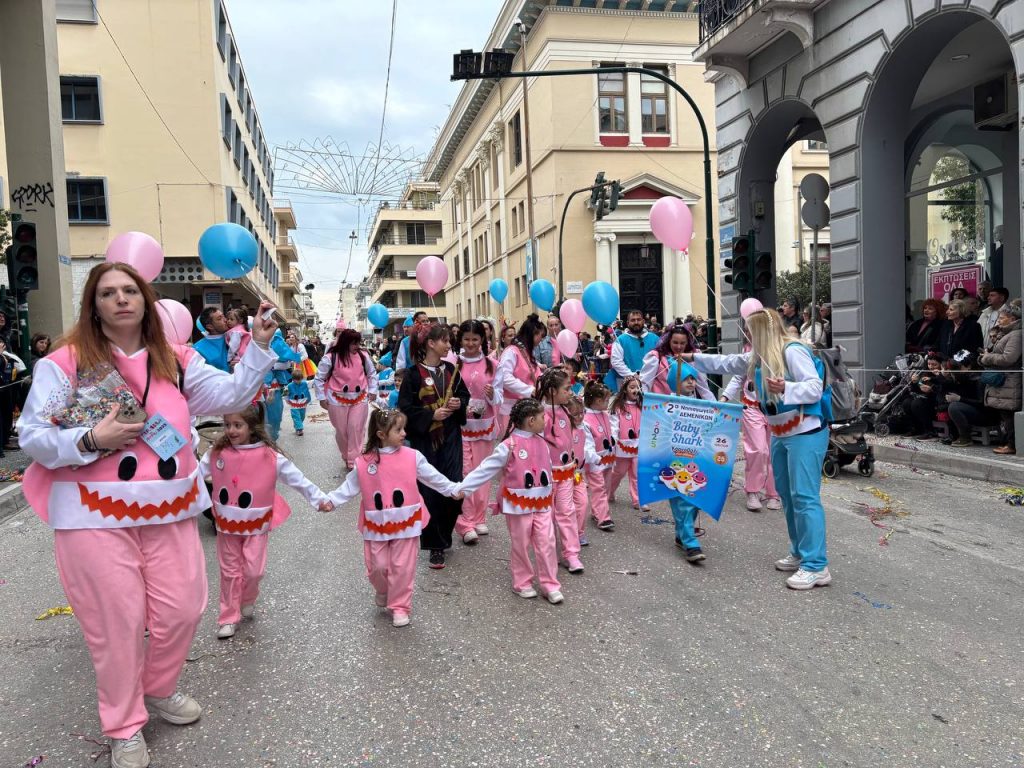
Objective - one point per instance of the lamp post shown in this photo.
(468, 67)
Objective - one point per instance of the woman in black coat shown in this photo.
(961, 331)
(923, 334)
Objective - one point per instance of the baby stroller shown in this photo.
(890, 394)
(846, 441)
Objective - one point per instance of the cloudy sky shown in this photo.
(317, 69)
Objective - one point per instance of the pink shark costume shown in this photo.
(517, 376)
(579, 483)
(600, 452)
(125, 535)
(246, 507)
(558, 435)
(392, 516)
(525, 498)
(478, 437)
(625, 425)
(757, 475)
(348, 389)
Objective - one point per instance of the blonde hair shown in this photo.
(768, 342)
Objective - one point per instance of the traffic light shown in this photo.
(23, 262)
(466, 64)
(762, 272)
(741, 264)
(8, 304)
(613, 200)
(498, 62)
(595, 193)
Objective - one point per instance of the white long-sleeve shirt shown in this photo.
(732, 390)
(425, 473)
(618, 358)
(652, 367)
(505, 378)
(590, 455)
(323, 373)
(206, 389)
(287, 473)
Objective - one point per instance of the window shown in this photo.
(494, 166)
(237, 146)
(80, 99)
(246, 167)
(458, 274)
(654, 102)
(226, 120)
(465, 261)
(87, 201)
(497, 239)
(222, 31)
(522, 217)
(515, 220)
(814, 145)
(416, 234)
(232, 206)
(82, 11)
(233, 64)
(611, 91)
(515, 141)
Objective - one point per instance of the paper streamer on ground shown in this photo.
(687, 448)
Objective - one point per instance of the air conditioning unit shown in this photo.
(995, 104)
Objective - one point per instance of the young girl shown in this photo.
(683, 510)
(579, 483)
(600, 450)
(525, 498)
(344, 381)
(392, 515)
(244, 467)
(297, 396)
(553, 391)
(237, 336)
(660, 370)
(478, 436)
(434, 399)
(517, 370)
(789, 390)
(758, 478)
(625, 423)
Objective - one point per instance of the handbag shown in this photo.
(993, 378)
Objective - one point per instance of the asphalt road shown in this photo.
(912, 657)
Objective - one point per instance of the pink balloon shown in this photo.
(176, 320)
(672, 223)
(137, 250)
(573, 315)
(749, 307)
(568, 342)
(431, 274)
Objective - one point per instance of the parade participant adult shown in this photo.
(517, 369)
(661, 372)
(789, 390)
(547, 353)
(629, 349)
(419, 320)
(345, 383)
(128, 553)
(212, 346)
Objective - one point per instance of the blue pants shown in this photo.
(796, 464)
(275, 412)
(298, 417)
(685, 514)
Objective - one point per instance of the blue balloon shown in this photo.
(228, 250)
(498, 290)
(601, 302)
(543, 294)
(377, 314)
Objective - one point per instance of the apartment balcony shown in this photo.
(398, 244)
(731, 31)
(396, 215)
(391, 280)
(283, 212)
(291, 281)
(285, 247)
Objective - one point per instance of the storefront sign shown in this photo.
(574, 286)
(942, 281)
(212, 297)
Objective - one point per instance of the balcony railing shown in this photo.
(389, 274)
(406, 205)
(715, 14)
(401, 238)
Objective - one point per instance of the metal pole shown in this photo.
(814, 284)
(561, 232)
(535, 271)
(21, 297)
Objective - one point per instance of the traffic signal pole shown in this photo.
(561, 230)
(709, 244)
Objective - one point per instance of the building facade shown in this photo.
(162, 135)
(918, 105)
(634, 129)
(794, 240)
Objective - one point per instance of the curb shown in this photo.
(991, 470)
(12, 501)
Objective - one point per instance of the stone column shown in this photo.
(604, 256)
(636, 138)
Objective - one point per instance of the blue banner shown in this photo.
(687, 448)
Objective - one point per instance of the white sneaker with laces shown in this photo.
(555, 597)
(224, 631)
(754, 502)
(788, 563)
(400, 620)
(470, 537)
(176, 709)
(526, 593)
(248, 611)
(809, 579)
(482, 529)
(130, 752)
(774, 503)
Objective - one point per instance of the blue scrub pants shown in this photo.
(298, 417)
(796, 464)
(685, 514)
(274, 414)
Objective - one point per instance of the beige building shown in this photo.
(162, 135)
(632, 129)
(794, 240)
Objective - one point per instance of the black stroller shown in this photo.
(846, 441)
(889, 395)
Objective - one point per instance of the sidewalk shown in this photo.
(976, 461)
(11, 498)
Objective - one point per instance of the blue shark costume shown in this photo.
(633, 350)
(214, 350)
(276, 380)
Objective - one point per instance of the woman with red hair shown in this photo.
(923, 334)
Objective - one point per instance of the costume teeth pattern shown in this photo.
(120, 509)
(530, 499)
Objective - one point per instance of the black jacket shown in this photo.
(967, 336)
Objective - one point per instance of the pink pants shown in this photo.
(119, 582)
(579, 501)
(757, 454)
(349, 422)
(565, 520)
(619, 470)
(474, 506)
(597, 483)
(534, 529)
(391, 569)
(243, 561)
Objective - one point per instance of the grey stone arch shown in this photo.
(868, 269)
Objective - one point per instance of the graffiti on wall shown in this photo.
(28, 197)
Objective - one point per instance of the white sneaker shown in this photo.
(788, 563)
(809, 579)
(400, 620)
(527, 593)
(754, 502)
(470, 537)
(482, 529)
(248, 611)
(555, 597)
(130, 752)
(380, 600)
(224, 631)
(774, 503)
(176, 709)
